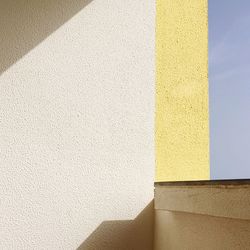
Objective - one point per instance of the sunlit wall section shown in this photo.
(182, 137)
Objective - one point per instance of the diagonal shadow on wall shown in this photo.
(25, 23)
(134, 234)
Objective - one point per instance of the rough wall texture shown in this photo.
(182, 151)
(76, 120)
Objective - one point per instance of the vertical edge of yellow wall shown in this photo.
(182, 117)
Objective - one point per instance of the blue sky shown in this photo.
(229, 88)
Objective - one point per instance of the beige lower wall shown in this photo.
(178, 231)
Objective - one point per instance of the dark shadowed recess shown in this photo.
(25, 23)
(134, 234)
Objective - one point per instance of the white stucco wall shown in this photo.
(76, 120)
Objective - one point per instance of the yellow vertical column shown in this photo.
(182, 136)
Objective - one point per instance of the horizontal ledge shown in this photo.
(226, 198)
(203, 182)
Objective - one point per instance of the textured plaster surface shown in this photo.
(182, 150)
(77, 124)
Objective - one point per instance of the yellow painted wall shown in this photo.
(182, 137)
